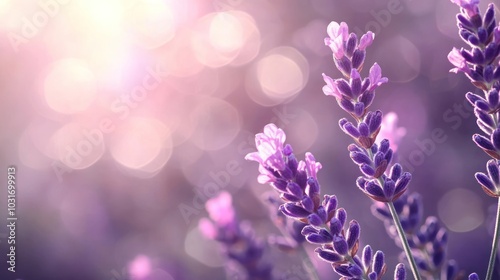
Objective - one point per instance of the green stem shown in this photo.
(404, 241)
(494, 246)
(308, 265)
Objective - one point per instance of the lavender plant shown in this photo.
(480, 64)
(381, 181)
(298, 186)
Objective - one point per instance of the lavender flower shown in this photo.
(382, 180)
(299, 189)
(480, 65)
(236, 238)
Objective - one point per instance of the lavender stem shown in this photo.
(494, 246)
(404, 241)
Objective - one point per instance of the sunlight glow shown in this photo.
(70, 86)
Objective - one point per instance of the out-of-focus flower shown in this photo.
(237, 239)
(390, 131)
(220, 209)
(140, 267)
(322, 223)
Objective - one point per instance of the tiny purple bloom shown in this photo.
(312, 166)
(270, 148)
(366, 40)
(330, 88)
(338, 33)
(376, 78)
(456, 58)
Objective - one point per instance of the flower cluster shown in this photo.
(237, 238)
(298, 187)
(383, 181)
(355, 96)
(479, 63)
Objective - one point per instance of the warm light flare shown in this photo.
(70, 86)
(152, 23)
(226, 32)
(139, 142)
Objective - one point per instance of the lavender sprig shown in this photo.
(298, 187)
(480, 65)
(237, 239)
(355, 96)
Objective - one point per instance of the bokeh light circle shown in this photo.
(218, 123)
(152, 22)
(70, 86)
(78, 147)
(142, 144)
(406, 54)
(218, 38)
(461, 210)
(277, 77)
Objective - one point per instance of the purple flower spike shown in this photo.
(351, 43)
(366, 40)
(340, 245)
(473, 276)
(496, 34)
(341, 215)
(376, 78)
(353, 233)
(270, 148)
(400, 272)
(493, 171)
(338, 35)
(294, 211)
(456, 58)
(486, 145)
(328, 255)
(336, 226)
(330, 205)
(358, 58)
(315, 220)
(378, 263)
(355, 271)
(316, 238)
(312, 166)
(490, 182)
(307, 203)
(367, 257)
(330, 88)
(389, 187)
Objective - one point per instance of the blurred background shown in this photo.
(122, 117)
